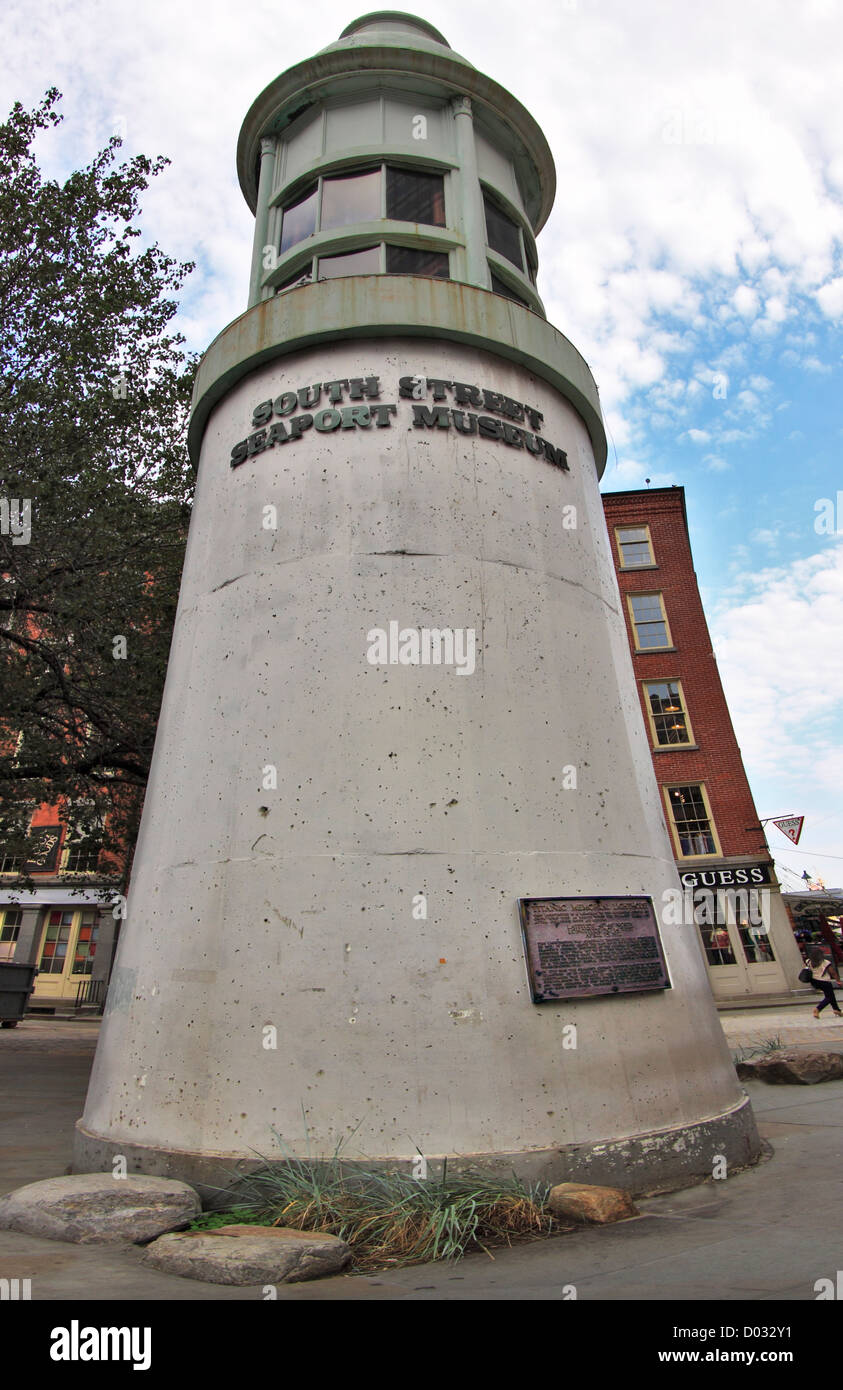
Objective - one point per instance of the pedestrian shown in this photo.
(821, 978)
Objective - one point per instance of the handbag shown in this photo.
(805, 975)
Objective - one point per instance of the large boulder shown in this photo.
(792, 1067)
(99, 1209)
(585, 1202)
(249, 1255)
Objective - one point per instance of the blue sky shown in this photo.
(693, 256)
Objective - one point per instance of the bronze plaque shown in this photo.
(578, 947)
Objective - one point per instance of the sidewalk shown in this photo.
(794, 1025)
(755, 1236)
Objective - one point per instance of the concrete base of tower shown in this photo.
(661, 1159)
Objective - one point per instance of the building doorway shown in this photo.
(739, 947)
(66, 952)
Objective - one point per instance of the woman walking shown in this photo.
(821, 978)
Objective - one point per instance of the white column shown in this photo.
(472, 214)
(262, 218)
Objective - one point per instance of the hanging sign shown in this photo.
(791, 826)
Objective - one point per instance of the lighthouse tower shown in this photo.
(403, 882)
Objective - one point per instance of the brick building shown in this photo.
(61, 917)
(710, 813)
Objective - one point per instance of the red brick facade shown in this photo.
(712, 756)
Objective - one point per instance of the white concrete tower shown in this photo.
(398, 461)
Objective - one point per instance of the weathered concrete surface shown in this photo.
(98, 1208)
(437, 310)
(792, 1067)
(751, 1236)
(653, 1159)
(586, 1202)
(249, 1255)
(280, 908)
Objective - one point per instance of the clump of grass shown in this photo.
(391, 1219)
(761, 1049)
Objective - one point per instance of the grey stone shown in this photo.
(791, 1067)
(99, 1209)
(586, 1202)
(249, 1255)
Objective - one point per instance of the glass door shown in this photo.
(68, 947)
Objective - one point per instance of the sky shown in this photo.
(693, 255)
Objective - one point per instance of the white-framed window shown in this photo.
(691, 822)
(649, 622)
(10, 925)
(635, 546)
(668, 717)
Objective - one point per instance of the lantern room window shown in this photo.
(415, 196)
(299, 219)
(350, 198)
(366, 262)
(367, 195)
(502, 234)
(408, 260)
(501, 287)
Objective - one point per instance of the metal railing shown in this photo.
(89, 992)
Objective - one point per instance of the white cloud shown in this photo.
(745, 300)
(830, 298)
(777, 644)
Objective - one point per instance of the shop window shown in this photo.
(667, 714)
(413, 196)
(367, 262)
(752, 926)
(718, 947)
(406, 260)
(634, 546)
(502, 234)
(86, 944)
(501, 287)
(9, 932)
(350, 198)
(691, 820)
(54, 953)
(649, 621)
(299, 219)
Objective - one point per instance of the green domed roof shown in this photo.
(385, 22)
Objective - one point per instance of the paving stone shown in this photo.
(98, 1209)
(249, 1255)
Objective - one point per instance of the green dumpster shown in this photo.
(16, 984)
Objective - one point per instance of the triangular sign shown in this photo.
(791, 826)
